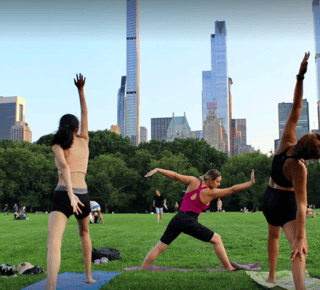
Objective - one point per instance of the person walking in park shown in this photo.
(176, 207)
(199, 194)
(219, 205)
(15, 210)
(158, 203)
(71, 155)
(6, 209)
(285, 200)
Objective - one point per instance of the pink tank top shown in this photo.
(193, 205)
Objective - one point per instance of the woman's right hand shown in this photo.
(304, 64)
(80, 82)
(74, 201)
(253, 180)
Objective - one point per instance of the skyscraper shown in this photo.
(215, 95)
(12, 119)
(132, 126)
(284, 110)
(178, 128)
(316, 19)
(143, 134)
(159, 128)
(121, 116)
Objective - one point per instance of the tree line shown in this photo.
(116, 171)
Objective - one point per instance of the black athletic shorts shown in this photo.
(186, 222)
(61, 203)
(279, 206)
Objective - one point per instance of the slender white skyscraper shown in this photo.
(133, 73)
(215, 96)
(316, 19)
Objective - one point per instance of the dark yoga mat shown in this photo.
(255, 266)
(76, 281)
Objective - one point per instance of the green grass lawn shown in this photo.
(244, 237)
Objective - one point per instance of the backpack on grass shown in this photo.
(110, 253)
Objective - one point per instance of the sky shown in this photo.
(43, 44)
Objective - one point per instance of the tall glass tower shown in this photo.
(132, 127)
(215, 96)
(316, 19)
(121, 116)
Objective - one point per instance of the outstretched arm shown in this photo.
(173, 175)
(79, 83)
(289, 132)
(219, 193)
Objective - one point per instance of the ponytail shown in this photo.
(211, 174)
(64, 136)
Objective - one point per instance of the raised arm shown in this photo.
(220, 193)
(173, 175)
(289, 132)
(79, 83)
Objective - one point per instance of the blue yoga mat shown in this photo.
(76, 281)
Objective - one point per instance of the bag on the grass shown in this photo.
(110, 253)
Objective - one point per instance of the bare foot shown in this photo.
(232, 269)
(90, 280)
(271, 280)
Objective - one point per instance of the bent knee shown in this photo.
(216, 239)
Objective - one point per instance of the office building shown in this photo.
(143, 134)
(284, 110)
(213, 131)
(12, 119)
(132, 127)
(159, 128)
(316, 21)
(121, 105)
(215, 84)
(115, 129)
(178, 128)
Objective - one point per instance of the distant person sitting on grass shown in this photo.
(176, 207)
(219, 205)
(95, 212)
(310, 213)
(285, 199)
(200, 193)
(71, 154)
(158, 202)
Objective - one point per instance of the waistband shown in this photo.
(191, 213)
(280, 190)
(74, 189)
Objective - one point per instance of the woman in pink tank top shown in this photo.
(199, 194)
(70, 197)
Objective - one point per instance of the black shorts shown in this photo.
(61, 203)
(186, 222)
(279, 206)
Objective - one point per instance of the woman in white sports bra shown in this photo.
(71, 153)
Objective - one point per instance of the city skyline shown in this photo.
(44, 50)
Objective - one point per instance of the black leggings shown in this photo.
(186, 222)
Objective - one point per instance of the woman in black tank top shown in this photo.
(285, 200)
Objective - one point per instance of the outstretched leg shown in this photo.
(153, 254)
(221, 251)
(298, 266)
(273, 251)
(86, 246)
(57, 225)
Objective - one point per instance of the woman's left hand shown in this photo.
(75, 202)
(300, 246)
(153, 171)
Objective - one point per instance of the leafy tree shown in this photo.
(107, 178)
(313, 182)
(45, 140)
(237, 170)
